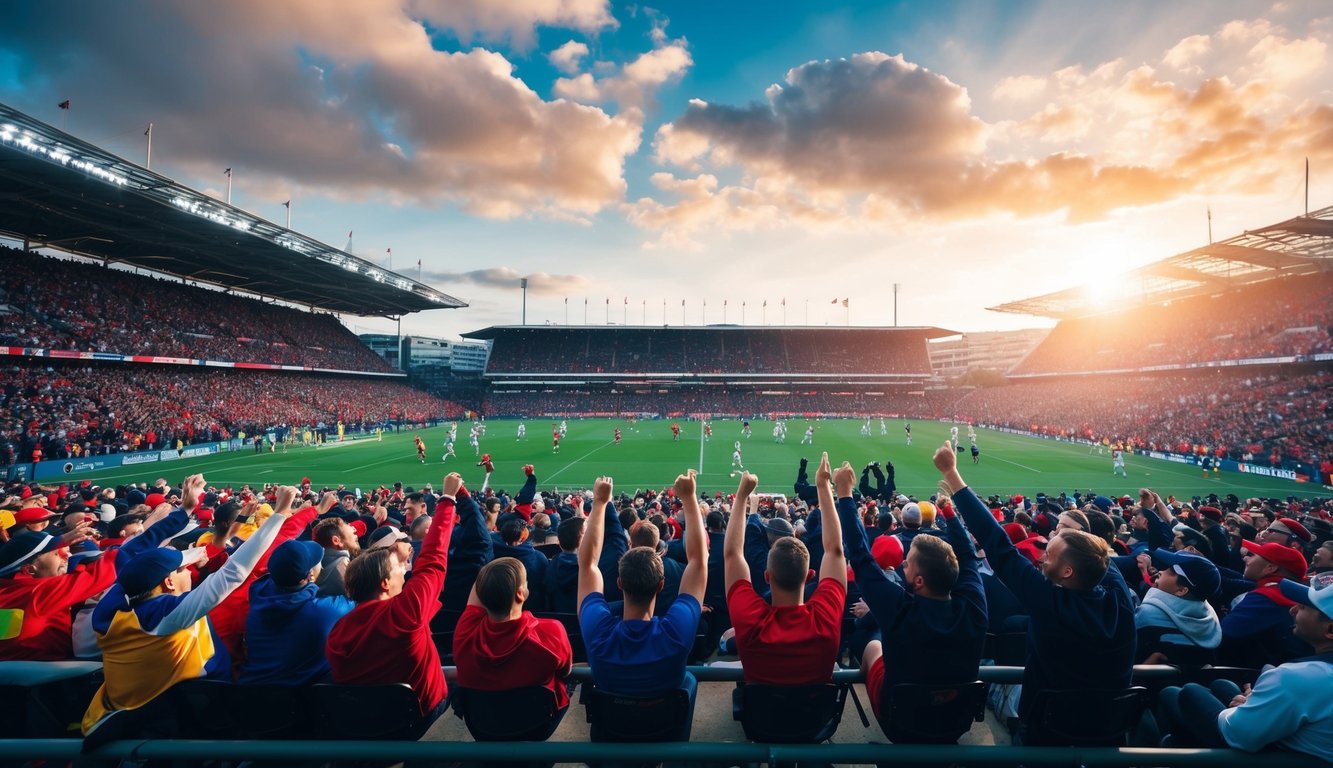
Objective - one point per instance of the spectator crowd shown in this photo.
(60, 304)
(293, 585)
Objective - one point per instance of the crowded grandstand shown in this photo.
(176, 608)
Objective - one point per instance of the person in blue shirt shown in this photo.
(289, 623)
(640, 654)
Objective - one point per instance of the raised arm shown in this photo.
(733, 547)
(1021, 576)
(834, 563)
(590, 548)
(419, 601)
(695, 578)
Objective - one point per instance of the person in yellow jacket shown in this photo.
(153, 629)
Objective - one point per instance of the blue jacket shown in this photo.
(469, 549)
(562, 583)
(1076, 639)
(285, 634)
(535, 562)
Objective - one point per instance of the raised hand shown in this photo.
(747, 485)
(945, 460)
(824, 474)
(191, 487)
(844, 478)
(453, 483)
(685, 485)
(601, 492)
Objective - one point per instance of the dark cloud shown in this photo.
(350, 97)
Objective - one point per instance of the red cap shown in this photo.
(1286, 558)
(32, 515)
(1015, 531)
(359, 526)
(887, 551)
(1212, 513)
(1293, 528)
(153, 499)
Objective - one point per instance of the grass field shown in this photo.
(648, 457)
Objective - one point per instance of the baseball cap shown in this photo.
(6, 519)
(153, 500)
(1292, 528)
(1212, 513)
(1318, 595)
(386, 536)
(147, 570)
(32, 515)
(23, 548)
(293, 561)
(779, 527)
(1286, 558)
(1197, 572)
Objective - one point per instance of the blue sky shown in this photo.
(975, 152)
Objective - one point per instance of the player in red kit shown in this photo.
(617, 436)
(421, 450)
(675, 430)
(487, 465)
(555, 439)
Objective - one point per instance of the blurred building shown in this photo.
(439, 366)
(996, 351)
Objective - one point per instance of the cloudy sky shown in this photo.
(974, 152)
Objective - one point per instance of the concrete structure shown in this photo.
(991, 350)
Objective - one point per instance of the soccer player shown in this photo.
(617, 436)
(865, 429)
(564, 427)
(421, 449)
(976, 452)
(953, 436)
(522, 431)
(972, 434)
(883, 428)
(675, 430)
(708, 431)
(474, 440)
(489, 466)
(809, 438)
(736, 457)
(908, 430)
(745, 429)
(1118, 463)
(777, 432)
(448, 449)
(555, 440)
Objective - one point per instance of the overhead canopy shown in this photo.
(1299, 246)
(59, 192)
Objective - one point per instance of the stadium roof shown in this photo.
(1299, 246)
(930, 332)
(59, 192)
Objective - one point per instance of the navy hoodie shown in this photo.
(285, 634)
(1077, 639)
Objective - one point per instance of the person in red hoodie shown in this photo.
(386, 638)
(499, 646)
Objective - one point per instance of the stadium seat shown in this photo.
(520, 714)
(932, 714)
(364, 712)
(1007, 649)
(1084, 718)
(791, 714)
(550, 550)
(46, 699)
(617, 718)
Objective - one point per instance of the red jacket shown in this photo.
(47, 604)
(500, 656)
(388, 641)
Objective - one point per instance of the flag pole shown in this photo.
(148, 164)
(228, 172)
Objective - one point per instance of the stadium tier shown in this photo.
(526, 353)
(65, 305)
(68, 409)
(1286, 320)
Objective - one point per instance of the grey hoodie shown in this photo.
(1196, 620)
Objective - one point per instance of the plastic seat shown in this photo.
(635, 719)
(791, 714)
(1084, 718)
(203, 710)
(518, 714)
(932, 714)
(1007, 649)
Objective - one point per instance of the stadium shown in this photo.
(150, 330)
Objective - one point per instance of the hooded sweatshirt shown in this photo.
(1189, 622)
(285, 634)
(503, 655)
(389, 640)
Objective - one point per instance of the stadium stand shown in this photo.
(60, 304)
(1284, 318)
(108, 408)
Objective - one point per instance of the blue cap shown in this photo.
(1198, 573)
(148, 570)
(293, 561)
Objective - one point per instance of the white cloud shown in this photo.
(566, 58)
(1020, 88)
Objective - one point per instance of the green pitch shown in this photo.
(648, 458)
